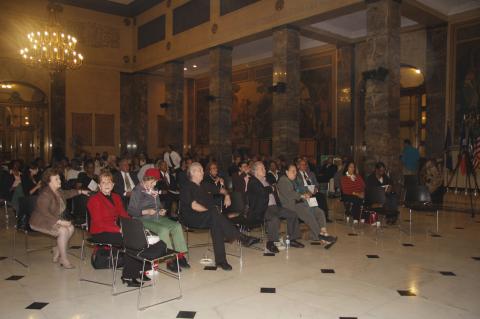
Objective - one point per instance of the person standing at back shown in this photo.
(172, 158)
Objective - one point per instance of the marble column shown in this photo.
(382, 93)
(345, 112)
(286, 95)
(174, 100)
(57, 114)
(133, 112)
(220, 108)
(435, 86)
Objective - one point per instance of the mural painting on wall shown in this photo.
(316, 106)
(467, 79)
(251, 112)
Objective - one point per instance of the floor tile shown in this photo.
(447, 273)
(37, 305)
(268, 290)
(327, 271)
(406, 293)
(373, 256)
(186, 314)
(14, 278)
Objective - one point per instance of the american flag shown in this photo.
(476, 153)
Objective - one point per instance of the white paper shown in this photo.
(311, 188)
(312, 202)
(93, 186)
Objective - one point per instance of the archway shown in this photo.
(23, 114)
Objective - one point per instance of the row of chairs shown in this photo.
(417, 199)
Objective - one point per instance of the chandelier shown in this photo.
(51, 47)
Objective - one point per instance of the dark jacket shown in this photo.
(140, 200)
(258, 196)
(119, 187)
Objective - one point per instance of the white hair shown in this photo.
(192, 167)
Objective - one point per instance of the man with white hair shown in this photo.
(198, 209)
(265, 204)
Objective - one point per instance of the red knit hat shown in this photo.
(153, 172)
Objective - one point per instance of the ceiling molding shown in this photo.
(324, 36)
(416, 11)
(125, 10)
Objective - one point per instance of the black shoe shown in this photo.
(272, 248)
(296, 244)
(248, 241)
(172, 266)
(183, 263)
(225, 266)
(332, 240)
(131, 282)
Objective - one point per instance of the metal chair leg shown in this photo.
(437, 220)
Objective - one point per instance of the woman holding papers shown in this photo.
(313, 216)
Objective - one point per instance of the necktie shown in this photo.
(309, 182)
(128, 185)
(246, 183)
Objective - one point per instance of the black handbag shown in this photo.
(157, 250)
(101, 257)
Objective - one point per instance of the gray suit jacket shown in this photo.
(287, 193)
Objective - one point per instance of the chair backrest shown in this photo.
(418, 194)
(133, 234)
(376, 195)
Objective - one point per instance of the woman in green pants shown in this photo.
(145, 204)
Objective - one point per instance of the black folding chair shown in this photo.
(113, 262)
(418, 198)
(22, 224)
(135, 242)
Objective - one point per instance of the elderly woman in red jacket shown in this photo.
(105, 208)
(353, 189)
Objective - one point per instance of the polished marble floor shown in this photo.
(368, 274)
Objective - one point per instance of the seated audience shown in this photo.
(353, 189)
(327, 171)
(198, 209)
(239, 185)
(380, 179)
(105, 208)
(314, 217)
(432, 177)
(273, 173)
(124, 181)
(145, 204)
(181, 175)
(306, 182)
(47, 215)
(234, 167)
(88, 179)
(265, 204)
(214, 180)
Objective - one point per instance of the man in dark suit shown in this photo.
(265, 204)
(377, 179)
(307, 183)
(124, 181)
(167, 185)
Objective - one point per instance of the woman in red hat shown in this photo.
(145, 204)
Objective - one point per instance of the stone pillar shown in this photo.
(220, 108)
(382, 95)
(286, 95)
(345, 112)
(174, 103)
(435, 85)
(57, 114)
(133, 112)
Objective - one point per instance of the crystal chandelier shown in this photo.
(52, 48)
